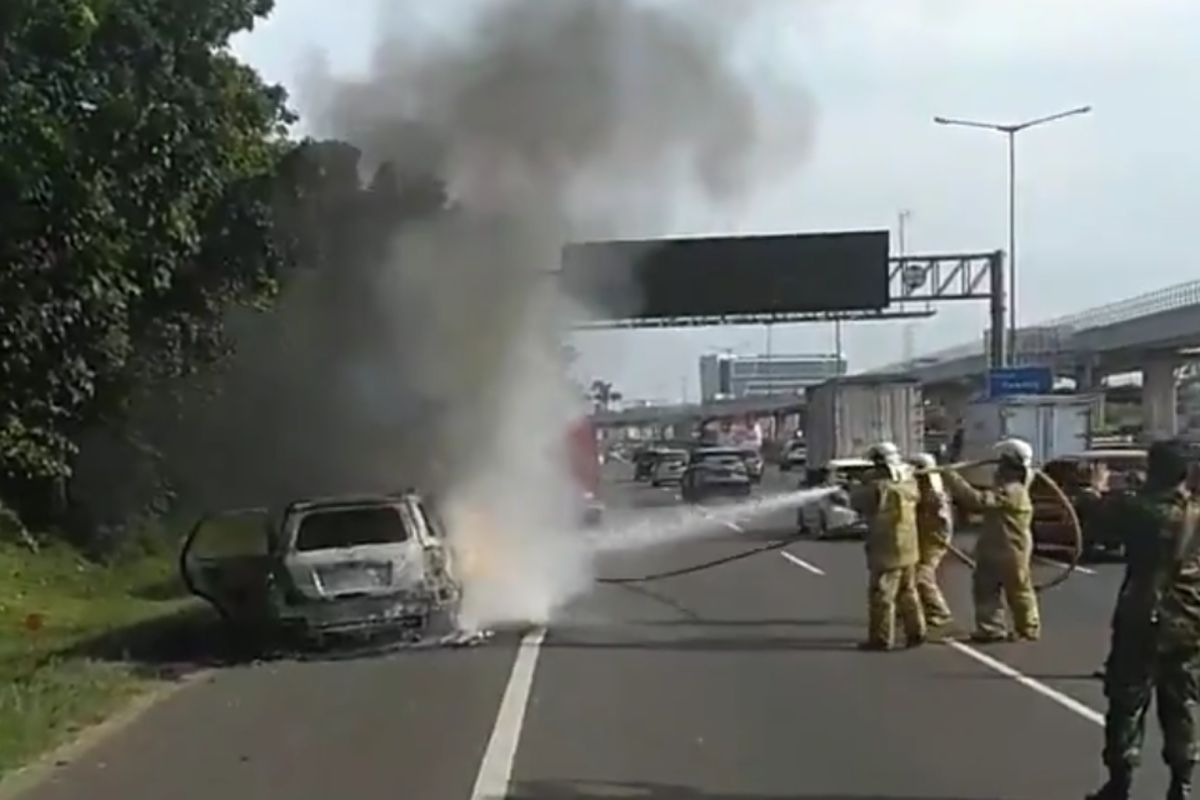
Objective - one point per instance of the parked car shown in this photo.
(1094, 481)
(644, 461)
(669, 467)
(323, 568)
(715, 472)
(832, 515)
(795, 456)
(755, 465)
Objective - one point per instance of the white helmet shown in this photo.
(924, 461)
(884, 452)
(1016, 451)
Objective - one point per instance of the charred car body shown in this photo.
(318, 569)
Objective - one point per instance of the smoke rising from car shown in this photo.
(429, 354)
(548, 122)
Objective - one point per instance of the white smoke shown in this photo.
(548, 121)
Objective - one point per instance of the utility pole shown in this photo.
(770, 373)
(910, 329)
(837, 346)
(1011, 132)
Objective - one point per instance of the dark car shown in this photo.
(715, 472)
(1096, 481)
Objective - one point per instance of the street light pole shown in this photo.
(1012, 247)
(1011, 131)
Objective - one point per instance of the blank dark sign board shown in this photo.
(728, 275)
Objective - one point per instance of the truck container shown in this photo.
(1054, 425)
(845, 416)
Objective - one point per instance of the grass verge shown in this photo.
(63, 625)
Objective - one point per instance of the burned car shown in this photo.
(326, 568)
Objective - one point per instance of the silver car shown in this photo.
(832, 515)
(327, 567)
(669, 468)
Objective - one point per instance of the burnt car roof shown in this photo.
(352, 500)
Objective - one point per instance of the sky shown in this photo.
(1104, 201)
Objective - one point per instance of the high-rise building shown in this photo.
(731, 376)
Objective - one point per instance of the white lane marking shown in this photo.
(495, 770)
(1078, 567)
(801, 563)
(1066, 701)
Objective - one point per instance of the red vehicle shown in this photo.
(584, 460)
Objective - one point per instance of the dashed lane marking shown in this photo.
(1066, 701)
(495, 771)
(801, 563)
(1078, 567)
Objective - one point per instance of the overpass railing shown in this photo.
(1181, 295)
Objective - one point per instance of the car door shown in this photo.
(227, 560)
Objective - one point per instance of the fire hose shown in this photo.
(1069, 565)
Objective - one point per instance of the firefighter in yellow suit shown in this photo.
(1002, 571)
(889, 503)
(934, 527)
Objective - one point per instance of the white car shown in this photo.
(795, 456)
(327, 567)
(832, 516)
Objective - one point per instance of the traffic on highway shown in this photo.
(746, 679)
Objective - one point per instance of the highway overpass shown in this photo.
(783, 405)
(1150, 333)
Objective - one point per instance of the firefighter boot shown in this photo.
(1120, 781)
(1181, 786)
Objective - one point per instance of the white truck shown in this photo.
(1054, 425)
(845, 416)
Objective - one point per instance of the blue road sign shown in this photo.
(1020, 380)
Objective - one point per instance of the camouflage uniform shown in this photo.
(890, 505)
(934, 521)
(1002, 570)
(1156, 635)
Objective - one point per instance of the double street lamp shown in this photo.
(1011, 131)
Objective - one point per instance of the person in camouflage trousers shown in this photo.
(1155, 646)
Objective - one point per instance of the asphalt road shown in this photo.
(738, 683)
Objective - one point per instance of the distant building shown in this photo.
(732, 376)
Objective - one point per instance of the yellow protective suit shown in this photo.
(890, 506)
(1002, 570)
(934, 522)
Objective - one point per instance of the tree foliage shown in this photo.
(138, 168)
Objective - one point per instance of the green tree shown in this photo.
(138, 165)
(604, 395)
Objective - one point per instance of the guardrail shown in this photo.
(1173, 297)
